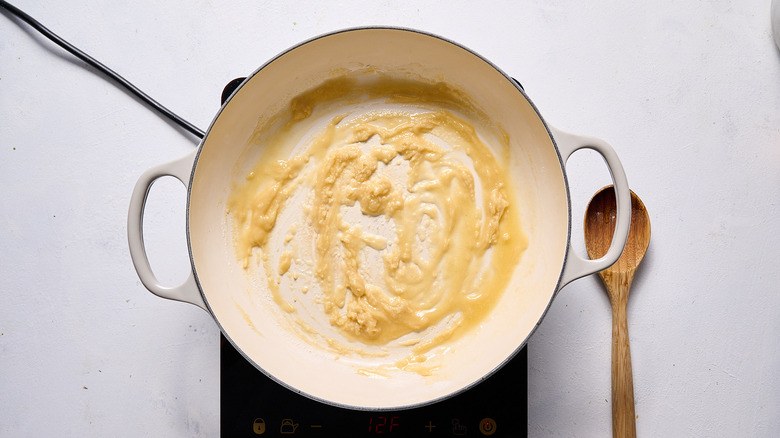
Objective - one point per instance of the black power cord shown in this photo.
(105, 70)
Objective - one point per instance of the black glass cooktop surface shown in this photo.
(254, 405)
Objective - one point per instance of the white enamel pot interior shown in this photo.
(219, 284)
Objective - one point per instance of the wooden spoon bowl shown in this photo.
(599, 228)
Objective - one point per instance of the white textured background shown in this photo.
(687, 92)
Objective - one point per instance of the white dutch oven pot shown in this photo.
(538, 156)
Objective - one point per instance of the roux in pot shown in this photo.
(405, 224)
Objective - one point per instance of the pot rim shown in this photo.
(464, 388)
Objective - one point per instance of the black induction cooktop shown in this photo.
(254, 405)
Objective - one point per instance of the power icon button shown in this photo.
(487, 426)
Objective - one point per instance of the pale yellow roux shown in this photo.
(456, 234)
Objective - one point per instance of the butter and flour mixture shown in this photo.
(378, 209)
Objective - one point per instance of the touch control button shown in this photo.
(487, 426)
(258, 426)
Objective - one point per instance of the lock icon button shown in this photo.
(258, 426)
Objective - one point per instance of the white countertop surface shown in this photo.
(688, 93)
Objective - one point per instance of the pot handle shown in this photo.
(188, 291)
(576, 266)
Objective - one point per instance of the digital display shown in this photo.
(383, 424)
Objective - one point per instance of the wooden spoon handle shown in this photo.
(623, 414)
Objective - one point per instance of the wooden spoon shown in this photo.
(599, 227)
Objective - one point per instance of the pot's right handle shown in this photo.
(188, 291)
(576, 266)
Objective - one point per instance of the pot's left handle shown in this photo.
(188, 291)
